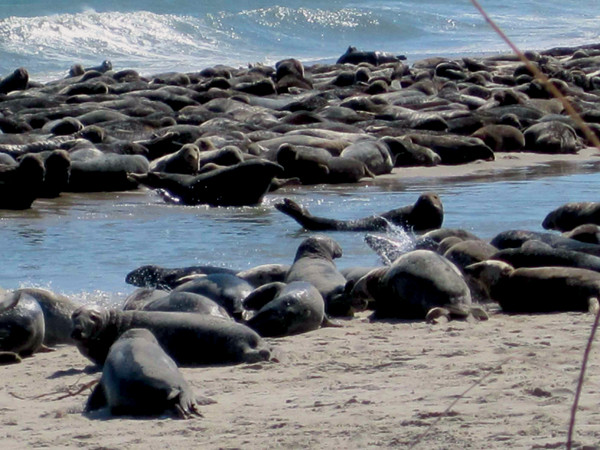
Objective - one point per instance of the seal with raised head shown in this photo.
(140, 379)
(427, 213)
(190, 339)
(314, 264)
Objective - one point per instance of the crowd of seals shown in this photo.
(227, 136)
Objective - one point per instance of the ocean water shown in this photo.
(184, 35)
(84, 245)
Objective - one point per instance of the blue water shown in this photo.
(184, 35)
(83, 245)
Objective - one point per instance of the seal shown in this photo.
(225, 289)
(427, 213)
(219, 187)
(21, 185)
(187, 302)
(419, 283)
(186, 160)
(57, 310)
(571, 215)
(21, 324)
(537, 254)
(153, 276)
(557, 289)
(140, 379)
(106, 173)
(190, 339)
(516, 238)
(314, 264)
(298, 308)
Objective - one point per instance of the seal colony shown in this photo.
(227, 136)
(321, 124)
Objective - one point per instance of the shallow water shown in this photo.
(83, 245)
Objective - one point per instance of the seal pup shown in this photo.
(426, 214)
(190, 339)
(140, 379)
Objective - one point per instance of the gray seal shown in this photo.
(298, 308)
(21, 324)
(140, 379)
(190, 339)
(571, 215)
(57, 310)
(417, 283)
(426, 214)
(314, 264)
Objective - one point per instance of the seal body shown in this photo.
(427, 213)
(21, 324)
(57, 310)
(298, 308)
(190, 339)
(140, 379)
(314, 264)
(417, 282)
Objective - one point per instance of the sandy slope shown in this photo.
(365, 385)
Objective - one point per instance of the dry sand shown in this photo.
(366, 385)
(505, 383)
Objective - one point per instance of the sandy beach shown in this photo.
(505, 383)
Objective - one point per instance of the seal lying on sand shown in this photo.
(21, 324)
(426, 214)
(140, 379)
(190, 339)
(298, 308)
(538, 289)
(571, 215)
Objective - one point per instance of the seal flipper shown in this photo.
(97, 399)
